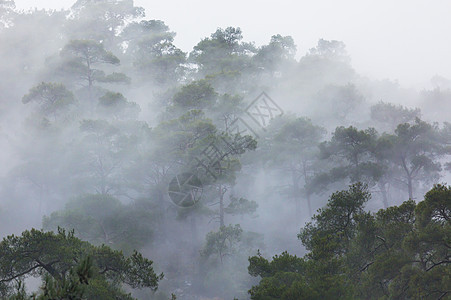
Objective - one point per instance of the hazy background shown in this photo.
(127, 141)
(399, 40)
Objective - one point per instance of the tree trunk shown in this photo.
(409, 178)
(221, 207)
(307, 194)
(296, 195)
(90, 84)
(384, 194)
(410, 187)
(309, 204)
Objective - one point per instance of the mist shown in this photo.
(177, 154)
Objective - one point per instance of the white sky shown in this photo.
(404, 40)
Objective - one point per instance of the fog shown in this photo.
(386, 39)
(202, 134)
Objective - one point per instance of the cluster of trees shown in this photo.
(401, 252)
(109, 113)
(406, 160)
(71, 268)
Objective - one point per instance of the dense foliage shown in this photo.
(114, 140)
(71, 268)
(401, 252)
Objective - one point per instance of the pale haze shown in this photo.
(403, 40)
(155, 150)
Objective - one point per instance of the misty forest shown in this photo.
(130, 169)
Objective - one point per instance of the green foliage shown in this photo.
(259, 266)
(415, 149)
(397, 253)
(114, 78)
(19, 292)
(53, 98)
(282, 278)
(355, 149)
(350, 158)
(239, 206)
(68, 264)
(226, 109)
(334, 226)
(138, 275)
(150, 43)
(100, 152)
(180, 139)
(90, 52)
(188, 107)
(223, 59)
(196, 95)
(80, 57)
(102, 20)
(103, 219)
(115, 104)
(390, 116)
(111, 99)
(291, 147)
(405, 159)
(223, 242)
(223, 259)
(280, 286)
(223, 44)
(339, 104)
(73, 286)
(330, 50)
(277, 54)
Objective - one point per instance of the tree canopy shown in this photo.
(36, 253)
(398, 252)
(115, 139)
